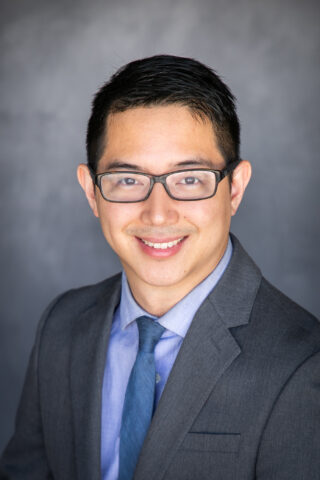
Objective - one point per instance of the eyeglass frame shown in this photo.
(219, 174)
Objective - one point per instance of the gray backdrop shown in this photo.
(54, 57)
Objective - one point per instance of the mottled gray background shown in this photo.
(54, 56)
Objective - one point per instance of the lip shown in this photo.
(159, 252)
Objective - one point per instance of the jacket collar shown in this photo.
(235, 294)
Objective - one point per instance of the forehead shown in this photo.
(157, 137)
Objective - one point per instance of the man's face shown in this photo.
(158, 140)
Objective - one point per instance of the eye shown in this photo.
(128, 181)
(189, 180)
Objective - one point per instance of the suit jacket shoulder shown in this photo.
(77, 300)
(270, 299)
(66, 309)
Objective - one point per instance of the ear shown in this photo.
(86, 182)
(240, 180)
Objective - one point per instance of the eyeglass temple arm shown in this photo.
(93, 174)
(229, 168)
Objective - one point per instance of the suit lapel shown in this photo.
(88, 354)
(207, 351)
(201, 361)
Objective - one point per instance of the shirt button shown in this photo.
(158, 378)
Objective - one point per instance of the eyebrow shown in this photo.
(196, 162)
(118, 164)
(200, 162)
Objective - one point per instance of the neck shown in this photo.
(157, 300)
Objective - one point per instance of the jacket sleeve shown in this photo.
(290, 444)
(25, 455)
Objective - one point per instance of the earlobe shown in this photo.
(240, 180)
(85, 180)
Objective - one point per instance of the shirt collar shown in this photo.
(178, 319)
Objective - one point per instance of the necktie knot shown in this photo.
(149, 333)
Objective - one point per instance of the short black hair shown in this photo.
(166, 80)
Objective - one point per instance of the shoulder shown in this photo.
(272, 303)
(68, 307)
(280, 334)
(267, 305)
(79, 299)
(271, 325)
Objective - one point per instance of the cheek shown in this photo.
(115, 217)
(208, 213)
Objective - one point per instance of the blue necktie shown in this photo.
(139, 400)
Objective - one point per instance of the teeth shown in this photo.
(163, 246)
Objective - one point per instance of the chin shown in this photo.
(161, 280)
(159, 277)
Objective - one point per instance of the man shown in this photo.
(190, 365)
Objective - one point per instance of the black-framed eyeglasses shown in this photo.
(184, 185)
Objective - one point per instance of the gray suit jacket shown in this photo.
(242, 400)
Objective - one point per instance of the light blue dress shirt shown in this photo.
(122, 352)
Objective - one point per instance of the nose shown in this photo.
(159, 208)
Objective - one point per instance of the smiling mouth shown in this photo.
(162, 245)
